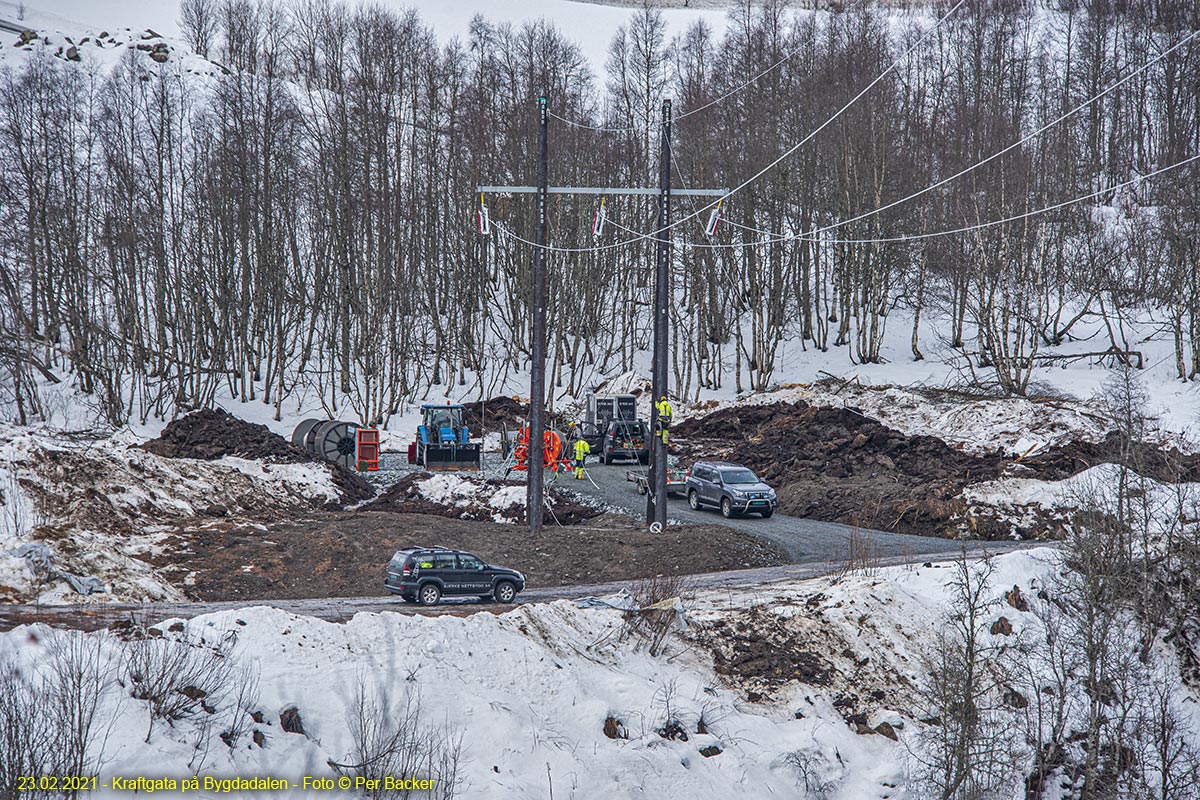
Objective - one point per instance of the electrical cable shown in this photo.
(925, 235)
(783, 157)
(992, 157)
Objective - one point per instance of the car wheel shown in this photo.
(766, 514)
(694, 500)
(726, 508)
(505, 592)
(429, 595)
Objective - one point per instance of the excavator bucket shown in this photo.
(440, 458)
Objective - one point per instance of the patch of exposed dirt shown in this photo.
(765, 649)
(214, 433)
(405, 497)
(835, 464)
(344, 554)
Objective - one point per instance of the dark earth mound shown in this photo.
(1166, 466)
(404, 497)
(835, 464)
(503, 414)
(214, 433)
(343, 554)
(497, 414)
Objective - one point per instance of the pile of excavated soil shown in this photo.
(1165, 466)
(343, 554)
(503, 414)
(214, 433)
(497, 414)
(835, 464)
(405, 497)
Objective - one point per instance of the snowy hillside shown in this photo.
(590, 24)
(811, 689)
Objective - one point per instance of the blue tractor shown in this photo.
(443, 441)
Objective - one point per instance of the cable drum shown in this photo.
(305, 433)
(336, 441)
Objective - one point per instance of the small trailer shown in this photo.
(676, 480)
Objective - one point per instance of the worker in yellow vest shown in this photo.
(665, 412)
(582, 450)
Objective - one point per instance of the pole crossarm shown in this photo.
(600, 190)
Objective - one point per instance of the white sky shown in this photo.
(591, 26)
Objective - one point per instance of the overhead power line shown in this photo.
(967, 170)
(913, 237)
(783, 157)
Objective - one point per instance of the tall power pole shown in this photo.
(656, 499)
(537, 378)
(662, 299)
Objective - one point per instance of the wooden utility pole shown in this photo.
(537, 379)
(655, 512)
(656, 498)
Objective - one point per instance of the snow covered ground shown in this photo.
(529, 692)
(1160, 509)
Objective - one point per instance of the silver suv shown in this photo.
(731, 487)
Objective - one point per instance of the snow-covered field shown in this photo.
(528, 692)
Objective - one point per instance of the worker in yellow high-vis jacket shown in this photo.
(665, 412)
(582, 450)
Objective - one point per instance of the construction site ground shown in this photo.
(852, 490)
(344, 553)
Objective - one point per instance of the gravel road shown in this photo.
(804, 540)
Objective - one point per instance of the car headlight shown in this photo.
(738, 493)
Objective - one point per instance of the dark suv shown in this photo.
(425, 574)
(731, 487)
(625, 439)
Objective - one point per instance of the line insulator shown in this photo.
(598, 222)
(713, 219)
(485, 222)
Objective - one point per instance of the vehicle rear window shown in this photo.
(738, 476)
(444, 561)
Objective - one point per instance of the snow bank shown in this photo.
(530, 692)
(1014, 425)
(1022, 500)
